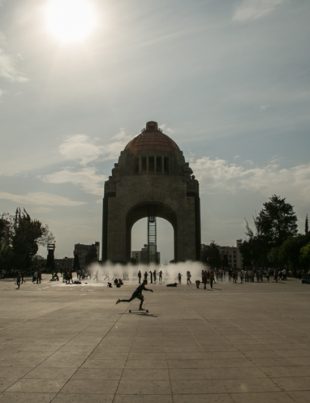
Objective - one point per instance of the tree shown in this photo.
(289, 253)
(27, 235)
(306, 225)
(5, 244)
(276, 222)
(305, 256)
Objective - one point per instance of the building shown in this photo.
(146, 255)
(86, 254)
(151, 179)
(231, 256)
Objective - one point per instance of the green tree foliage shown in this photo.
(305, 257)
(5, 243)
(289, 253)
(20, 236)
(276, 222)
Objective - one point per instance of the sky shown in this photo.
(228, 81)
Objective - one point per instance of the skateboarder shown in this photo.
(137, 294)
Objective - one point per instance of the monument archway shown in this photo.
(151, 178)
(145, 210)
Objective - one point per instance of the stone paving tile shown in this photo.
(26, 397)
(143, 399)
(119, 363)
(36, 386)
(216, 373)
(57, 374)
(279, 397)
(13, 373)
(300, 396)
(249, 385)
(86, 386)
(98, 373)
(82, 398)
(150, 356)
(294, 384)
(197, 386)
(145, 374)
(203, 398)
(146, 387)
(292, 371)
(210, 363)
(146, 363)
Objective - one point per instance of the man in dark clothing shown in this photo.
(137, 294)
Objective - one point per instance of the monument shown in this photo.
(151, 179)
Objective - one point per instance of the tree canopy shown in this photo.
(20, 237)
(276, 222)
(275, 240)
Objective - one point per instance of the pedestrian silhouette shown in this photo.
(137, 294)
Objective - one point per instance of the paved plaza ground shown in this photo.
(239, 343)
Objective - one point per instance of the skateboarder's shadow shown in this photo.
(142, 313)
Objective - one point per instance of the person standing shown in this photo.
(18, 279)
(139, 276)
(211, 277)
(204, 278)
(179, 278)
(188, 275)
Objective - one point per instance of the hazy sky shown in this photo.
(228, 80)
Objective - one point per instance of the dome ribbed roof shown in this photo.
(151, 139)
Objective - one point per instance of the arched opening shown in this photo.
(165, 239)
(166, 219)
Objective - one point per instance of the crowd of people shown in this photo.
(208, 276)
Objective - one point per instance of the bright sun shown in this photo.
(70, 21)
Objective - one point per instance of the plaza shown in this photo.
(237, 343)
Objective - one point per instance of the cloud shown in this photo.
(80, 147)
(166, 129)
(8, 69)
(86, 178)
(85, 150)
(249, 10)
(112, 150)
(39, 199)
(291, 182)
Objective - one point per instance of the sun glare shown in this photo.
(70, 21)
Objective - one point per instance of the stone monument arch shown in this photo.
(151, 178)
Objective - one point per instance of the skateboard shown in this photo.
(138, 310)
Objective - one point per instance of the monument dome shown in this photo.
(151, 139)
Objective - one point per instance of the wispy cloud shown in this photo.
(269, 179)
(118, 142)
(87, 179)
(85, 150)
(249, 10)
(8, 68)
(166, 129)
(39, 199)
(80, 147)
